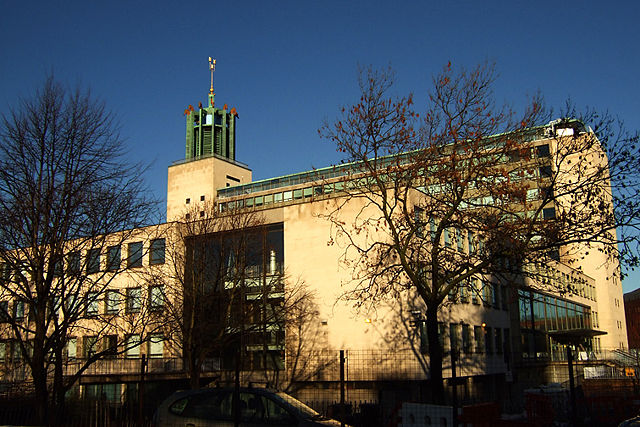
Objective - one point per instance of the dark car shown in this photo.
(258, 407)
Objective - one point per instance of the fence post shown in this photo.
(143, 366)
(342, 408)
(454, 400)
(572, 388)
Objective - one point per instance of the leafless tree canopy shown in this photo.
(66, 188)
(463, 191)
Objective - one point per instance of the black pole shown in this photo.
(236, 393)
(572, 388)
(143, 365)
(342, 408)
(454, 400)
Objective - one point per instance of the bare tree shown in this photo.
(465, 191)
(67, 193)
(229, 303)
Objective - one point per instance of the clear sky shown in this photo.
(288, 65)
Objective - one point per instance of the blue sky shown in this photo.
(288, 65)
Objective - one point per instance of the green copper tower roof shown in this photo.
(210, 130)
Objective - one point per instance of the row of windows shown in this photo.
(572, 283)
(133, 347)
(469, 339)
(113, 261)
(478, 292)
(134, 256)
(132, 300)
(111, 299)
(548, 313)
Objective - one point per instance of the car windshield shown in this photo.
(304, 409)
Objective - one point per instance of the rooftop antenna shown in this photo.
(212, 68)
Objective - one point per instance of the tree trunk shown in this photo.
(39, 375)
(58, 389)
(435, 356)
(194, 372)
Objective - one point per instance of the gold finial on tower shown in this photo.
(212, 68)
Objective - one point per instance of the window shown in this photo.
(478, 334)
(475, 291)
(543, 150)
(488, 339)
(156, 252)
(466, 338)
(18, 310)
(113, 258)
(111, 345)
(498, 340)
(156, 345)
(134, 254)
(545, 171)
(90, 346)
(156, 298)
(454, 336)
(72, 348)
(73, 263)
(4, 311)
(549, 213)
(133, 345)
(112, 300)
(133, 300)
(505, 297)
(93, 261)
(495, 295)
(91, 303)
(202, 198)
(187, 201)
(464, 292)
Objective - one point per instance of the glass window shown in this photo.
(307, 192)
(73, 263)
(454, 336)
(133, 300)
(18, 310)
(288, 195)
(72, 348)
(4, 311)
(112, 300)
(297, 194)
(156, 345)
(91, 303)
(464, 292)
(156, 297)
(277, 198)
(498, 340)
(268, 199)
(134, 254)
(548, 213)
(478, 334)
(111, 345)
(475, 291)
(488, 339)
(113, 258)
(156, 251)
(133, 346)
(466, 338)
(90, 346)
(545, 171)
(543, 150)
(93, 261)
(259, 200)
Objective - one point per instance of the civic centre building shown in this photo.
(505, 335)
